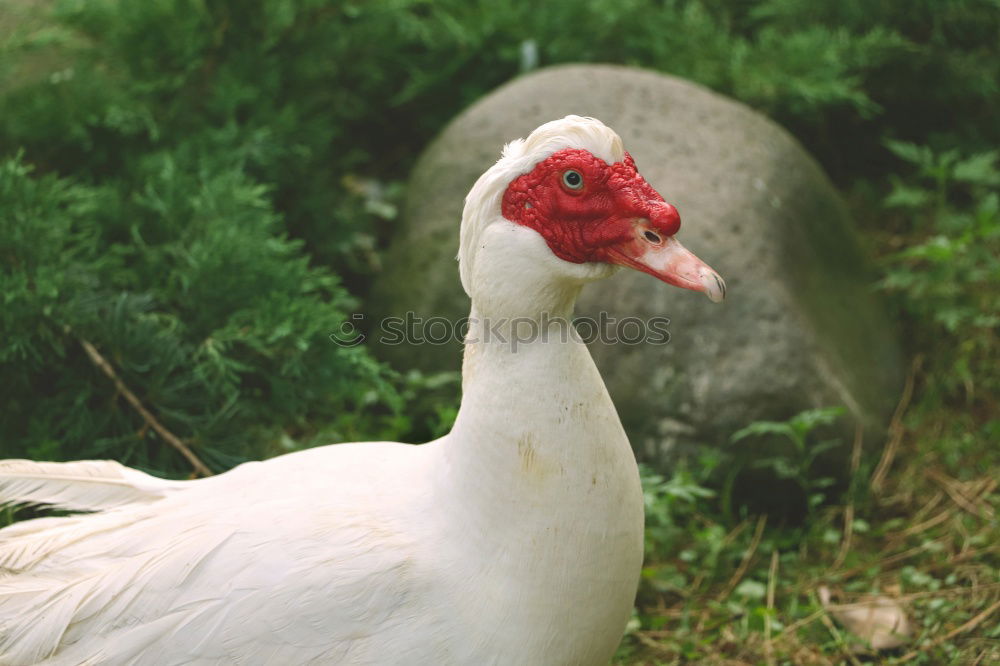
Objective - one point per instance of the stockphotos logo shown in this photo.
(412, 329)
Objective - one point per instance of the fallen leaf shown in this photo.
(880, 622)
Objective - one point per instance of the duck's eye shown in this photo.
(572, 179)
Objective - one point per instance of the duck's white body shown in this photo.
(493, 545)
(515, 539)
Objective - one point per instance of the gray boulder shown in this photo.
(800, 327)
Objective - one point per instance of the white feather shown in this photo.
(86, 485)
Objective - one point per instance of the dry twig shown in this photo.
(966, 495)
(924, 526)
(971, 624)
(173, 440)
(747, 557)
(726, 540)
(798, 624)
(845, 543)
(896, 429)
(772, 578)
(892, 559)
(948, 592)
(653, 643)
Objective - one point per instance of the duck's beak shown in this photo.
(651, 251)
(674, 264)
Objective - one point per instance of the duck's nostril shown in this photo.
(652, 237)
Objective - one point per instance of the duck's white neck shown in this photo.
(537, 485)
(536, 422)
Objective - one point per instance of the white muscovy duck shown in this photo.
(515, 539)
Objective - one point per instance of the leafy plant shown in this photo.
(949, 274)
(666, 500)
(795, 463)
(669, 503)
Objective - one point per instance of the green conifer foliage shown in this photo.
(189, 289)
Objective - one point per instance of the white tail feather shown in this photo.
(85, 485)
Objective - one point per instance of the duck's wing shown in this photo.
(86, 485)
(221, 572)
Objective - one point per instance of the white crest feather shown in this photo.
(86, 485)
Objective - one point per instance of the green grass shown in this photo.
(923, 532)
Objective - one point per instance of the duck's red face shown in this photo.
(589, 210)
